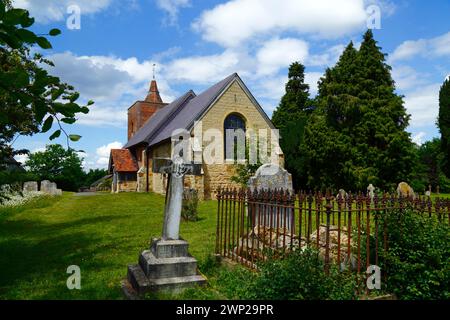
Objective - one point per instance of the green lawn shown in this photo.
(101, 234)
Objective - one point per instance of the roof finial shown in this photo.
(154, 66)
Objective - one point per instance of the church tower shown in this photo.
(141, 111)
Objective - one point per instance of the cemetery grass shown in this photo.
(101, 234)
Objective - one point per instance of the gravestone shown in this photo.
(404, 190)
(271, 177)
(167, 265)
(371, 191)
(341, 194)
(30, 186)
(50, 188)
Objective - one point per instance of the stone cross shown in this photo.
(176, 168)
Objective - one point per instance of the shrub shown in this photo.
(301, 276)
(418, 258)
(189, 210)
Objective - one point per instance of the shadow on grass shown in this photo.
(36, 256)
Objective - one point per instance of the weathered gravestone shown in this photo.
(371, 192)
(404, 190)
(50, 188)
(271, 177)
(168, 265)
(30, 186)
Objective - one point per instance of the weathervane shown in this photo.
(154, 65)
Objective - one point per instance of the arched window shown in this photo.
(234, 140)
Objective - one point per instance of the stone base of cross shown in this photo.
(167, 265)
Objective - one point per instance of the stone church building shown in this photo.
(226, 105)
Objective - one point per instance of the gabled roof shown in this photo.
(123, 161)
(183, 112)
(157, 120)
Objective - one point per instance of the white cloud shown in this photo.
(236, 21)
(407, 78)
(102, 153)
(280, 53)
(172, 7)
(312, 78)
(419, 137)
(45, 11)
(434, 47)
(423, 105)
(203, 69)
(328, 58)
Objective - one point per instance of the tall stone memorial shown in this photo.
(272, 177)
(167, 265)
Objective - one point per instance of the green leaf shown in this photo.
(90, 102)
(85, 110)
(47, 124)
(43, 43)
(54, 32)
(26, 35)
(55, 135)
(68, 120)
(74, 137)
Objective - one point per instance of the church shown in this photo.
(227, 105)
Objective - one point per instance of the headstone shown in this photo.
(167, 265)
(371, 191)
(30, 186)
(271, 177)
(404, 190)
(50, 188)
(342, 194)
(428, 193)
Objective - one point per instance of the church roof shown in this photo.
(179, 114)
(123, 161)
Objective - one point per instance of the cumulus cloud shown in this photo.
(172, 7)
(423, 105)
(236, 21)
(280, 53)
(407, 77)
(103, 152)
(45, 11)
(434, 47)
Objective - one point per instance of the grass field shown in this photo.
(101, 234)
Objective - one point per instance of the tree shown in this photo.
(295, 101)
(58, 165)
(31, 100)
(290, 118)
(93, 175)
(444, 124)
(357, 134)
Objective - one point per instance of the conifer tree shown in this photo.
(365, 123)
(290, 118)
(294, 102)
(444, 124)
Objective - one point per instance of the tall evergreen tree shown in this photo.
(444, 124)
(290, 118)
(365, 139)
(294, 102)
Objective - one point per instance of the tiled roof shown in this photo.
(123, 161)
(180, 114)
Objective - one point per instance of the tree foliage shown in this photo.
(444, 124)
(58, 165)
(31, 100)
(357, 134)
(290, 118)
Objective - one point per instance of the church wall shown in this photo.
(234, 100)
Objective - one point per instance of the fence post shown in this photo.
(219, 204)
(327, 239)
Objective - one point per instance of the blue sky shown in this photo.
(197, 43)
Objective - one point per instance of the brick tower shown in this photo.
(141, 111)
